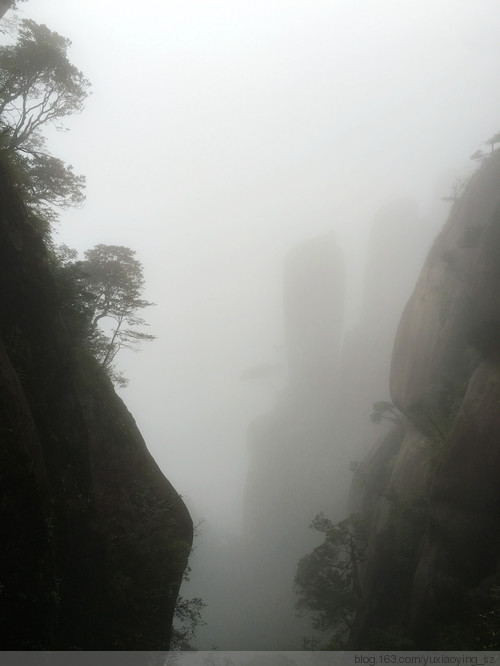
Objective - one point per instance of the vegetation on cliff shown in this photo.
(428, 492)
(104, 288)
(327, 579)
(95, 538)
(39, 87)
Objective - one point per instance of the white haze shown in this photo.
(219, 134)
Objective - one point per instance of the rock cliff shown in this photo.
(94, 538)
(291, 448)
(399, 240)
(430, 488)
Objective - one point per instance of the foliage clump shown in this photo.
(187, 619)
(39, 87)
(328, 578)
(105, 288)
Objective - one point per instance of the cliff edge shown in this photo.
(95, 539)
(430, 488)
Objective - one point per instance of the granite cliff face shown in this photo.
(430, 488)
(95, 539)
(398, 242)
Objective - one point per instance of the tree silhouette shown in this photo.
(327, 579)
(492, 141)
(114, 279)
(38, 87)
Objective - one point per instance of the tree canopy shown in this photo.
(113, 278)
(39, 86)
(100, 299)
(493, 140)
(327, 579)
(187, 619)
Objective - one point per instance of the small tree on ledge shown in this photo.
(114, 280)
(105, 288)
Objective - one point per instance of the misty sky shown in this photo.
(218, 135)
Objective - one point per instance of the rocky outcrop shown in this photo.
(458, 566)
(440, 527)
(94, 538)
(291, 449)
(398, 241)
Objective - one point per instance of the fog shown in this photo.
(221, 135)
